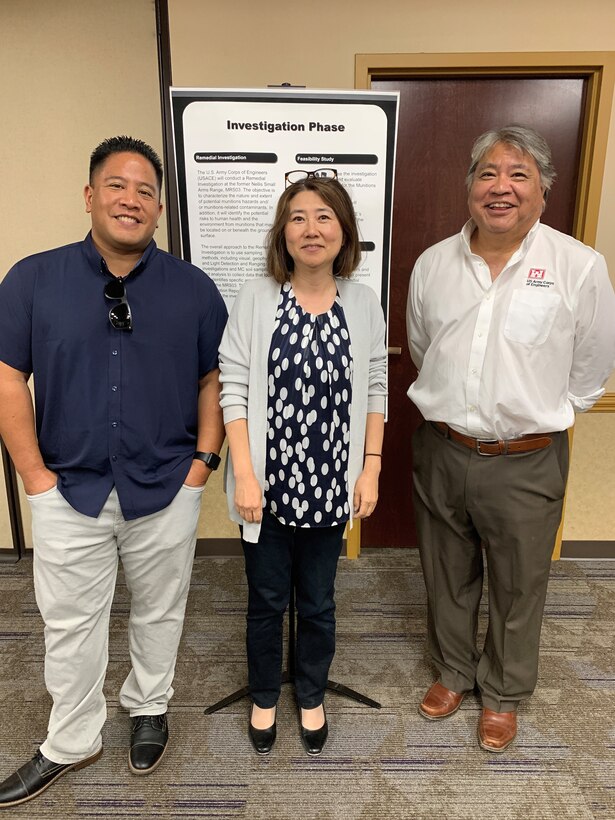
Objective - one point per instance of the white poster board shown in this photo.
(237, 150)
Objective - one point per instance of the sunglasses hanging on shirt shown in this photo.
(119, 315)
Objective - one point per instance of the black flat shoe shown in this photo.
(314, 739)
(262, 739)
(35, 776)
(150, 734)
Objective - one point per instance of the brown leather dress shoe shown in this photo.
(440, 702)
(496, 730)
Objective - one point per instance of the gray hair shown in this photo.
(523, 139)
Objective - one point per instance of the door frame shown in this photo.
(597, 67)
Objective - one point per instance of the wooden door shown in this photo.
(439, 119)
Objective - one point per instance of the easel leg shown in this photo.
(288, 676)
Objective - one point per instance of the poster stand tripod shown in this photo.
(289, 675)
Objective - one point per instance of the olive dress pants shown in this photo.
(512, 506)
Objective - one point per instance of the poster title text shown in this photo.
(263, 125)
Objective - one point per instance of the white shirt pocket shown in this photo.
(530, 316)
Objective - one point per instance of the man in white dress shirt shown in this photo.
(512, 328)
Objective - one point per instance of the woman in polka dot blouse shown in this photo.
(303, 372)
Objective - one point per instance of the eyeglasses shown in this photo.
(291, 177)
(119, 315)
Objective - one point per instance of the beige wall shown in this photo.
(315, 45)
(591, 488)
(71, 74)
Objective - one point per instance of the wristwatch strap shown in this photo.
(211, 459)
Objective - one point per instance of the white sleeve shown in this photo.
(417, 337)
(594, 343)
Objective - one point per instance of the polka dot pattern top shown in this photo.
(308, 415)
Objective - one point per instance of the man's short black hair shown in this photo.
(119, 145)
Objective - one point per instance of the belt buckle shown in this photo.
(480, 441)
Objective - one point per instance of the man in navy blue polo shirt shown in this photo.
(122, 340)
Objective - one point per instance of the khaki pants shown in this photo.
(512, 505)
(75, 569)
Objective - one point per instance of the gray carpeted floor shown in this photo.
(378, 764)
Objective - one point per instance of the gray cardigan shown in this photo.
(244, 353)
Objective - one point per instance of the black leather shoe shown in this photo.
(314, 739)
(262, 739)
(35, 776)
(150, 734)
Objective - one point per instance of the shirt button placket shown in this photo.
(114, 400)
(477, 357)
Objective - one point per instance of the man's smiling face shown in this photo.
(507, 196)
(124, 202)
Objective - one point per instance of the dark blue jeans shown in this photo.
(307, 557)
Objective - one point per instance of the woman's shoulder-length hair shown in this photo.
(280, 263)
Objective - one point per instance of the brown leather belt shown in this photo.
(497, 447)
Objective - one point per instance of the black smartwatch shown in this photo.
(211, 459)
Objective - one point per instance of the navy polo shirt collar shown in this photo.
(98, 264)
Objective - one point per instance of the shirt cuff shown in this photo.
(376, 404)
(583, 403)
(234, 412)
